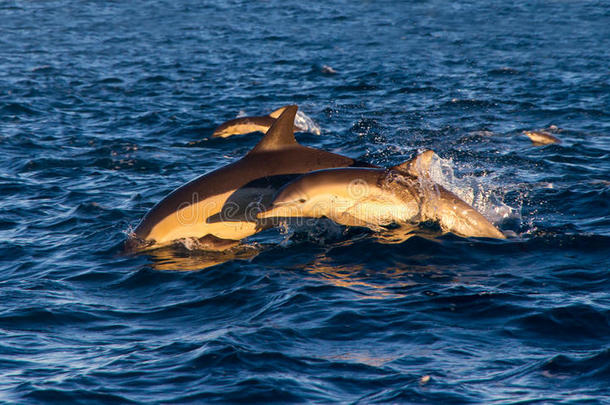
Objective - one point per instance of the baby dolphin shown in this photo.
(220, 207)
(539, 138)
(374, 197)
(245, 125)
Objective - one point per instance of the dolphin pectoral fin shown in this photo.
(419, 165)
(213, 219)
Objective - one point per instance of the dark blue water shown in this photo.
(105, 107)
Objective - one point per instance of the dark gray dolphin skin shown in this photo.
(245, 125)
(220, 207)
(374, 197)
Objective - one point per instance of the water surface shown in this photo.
(105, 107)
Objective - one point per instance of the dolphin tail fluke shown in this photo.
(281, 133)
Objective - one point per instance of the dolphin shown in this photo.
(539, 138)
(376, 197)
(220, 207)
(245, 125)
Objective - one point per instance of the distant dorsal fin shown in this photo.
(281, 132)
(276, 114)
(419, 165)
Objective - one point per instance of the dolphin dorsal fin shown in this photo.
(419, 165)
(281, 132)
(276, 114)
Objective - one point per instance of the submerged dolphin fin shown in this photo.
(281, 133)
(418, 166)
(276, 114)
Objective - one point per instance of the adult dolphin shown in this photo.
(220, 207)
(375, 197)
(245, 125)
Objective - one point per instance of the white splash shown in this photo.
(305, 122)
(478, 191)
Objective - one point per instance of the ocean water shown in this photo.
(105, 107)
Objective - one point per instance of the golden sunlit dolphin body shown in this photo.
(220, 207)
(541, 137)
(374, 197)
